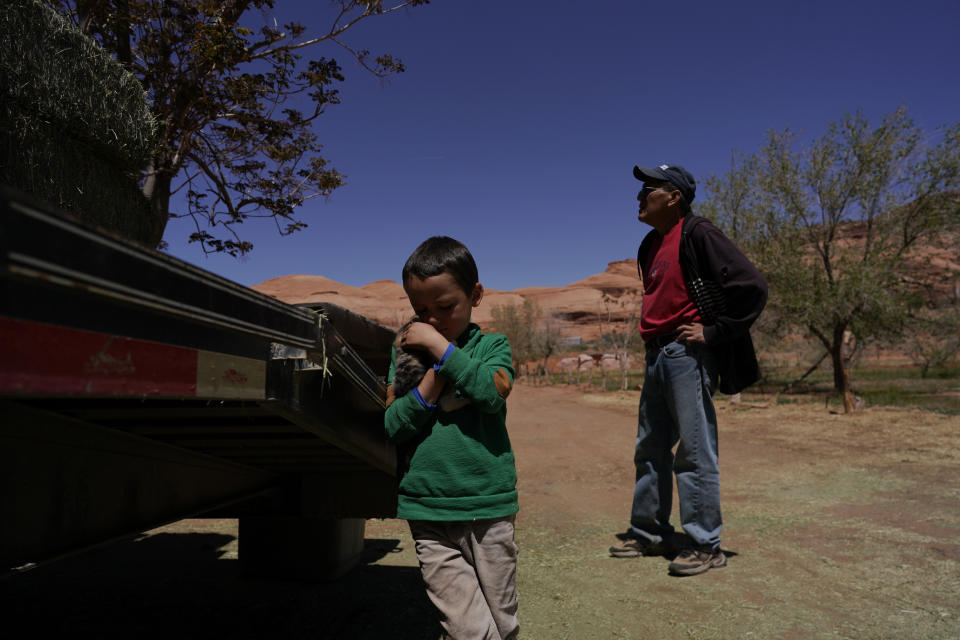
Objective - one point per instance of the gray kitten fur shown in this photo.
(409, 366)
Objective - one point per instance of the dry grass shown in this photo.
(842, 526)
(838, 527)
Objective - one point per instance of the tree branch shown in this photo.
(807, 373)
(335, 30)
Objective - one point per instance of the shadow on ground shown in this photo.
(180, 585)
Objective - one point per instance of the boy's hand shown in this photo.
(424, 337)
(431, 387)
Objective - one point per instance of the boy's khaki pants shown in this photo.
(470, 570)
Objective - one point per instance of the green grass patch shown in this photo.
(893, 396)
(879, 386)
(902, 387)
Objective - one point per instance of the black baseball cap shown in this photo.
(672, 173)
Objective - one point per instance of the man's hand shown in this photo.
(424, 337)
(691, 333)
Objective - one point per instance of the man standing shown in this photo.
(700, 297)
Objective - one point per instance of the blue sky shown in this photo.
(516, 125)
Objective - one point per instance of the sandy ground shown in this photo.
(837, 527)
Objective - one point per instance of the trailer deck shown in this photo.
(137, 389)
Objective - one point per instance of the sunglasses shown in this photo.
(644, 192)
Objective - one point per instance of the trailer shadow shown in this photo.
(182, 585)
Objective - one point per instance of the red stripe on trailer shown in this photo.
(48, 359)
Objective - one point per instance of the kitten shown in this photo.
(409, 366)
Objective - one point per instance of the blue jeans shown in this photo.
(676, 405)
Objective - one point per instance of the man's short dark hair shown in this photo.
(441, 254)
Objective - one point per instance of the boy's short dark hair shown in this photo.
(441, 254)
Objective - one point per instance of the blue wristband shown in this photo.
(423, 403)
(439, 363)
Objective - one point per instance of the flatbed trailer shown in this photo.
(137, 389)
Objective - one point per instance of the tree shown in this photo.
(521, 324)
(546, 342)
(621, 335)
(831, 225)
(935, 338)
(234, 105)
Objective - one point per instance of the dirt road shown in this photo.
(837, 527)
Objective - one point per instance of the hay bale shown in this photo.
(74, 125)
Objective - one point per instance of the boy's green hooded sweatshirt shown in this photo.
(463, 466)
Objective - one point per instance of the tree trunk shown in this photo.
(841, 374)
(623, 371)
(85, 15)
(157, 190)
(124, 53)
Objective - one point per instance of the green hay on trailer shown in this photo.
(74, 125)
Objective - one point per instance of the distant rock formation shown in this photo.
(582, 308)
(577, 308)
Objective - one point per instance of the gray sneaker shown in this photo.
(690, 562)
(635, 548)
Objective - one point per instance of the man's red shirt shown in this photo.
(666, 303)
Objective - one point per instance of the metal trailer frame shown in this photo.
(137, 389)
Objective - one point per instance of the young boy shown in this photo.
(460, 491)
